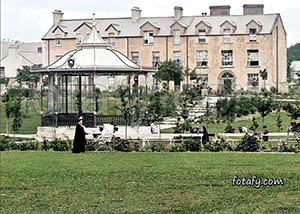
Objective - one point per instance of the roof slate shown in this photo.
(129, 28)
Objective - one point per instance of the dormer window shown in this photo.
(176, 37)
(111, 39)
(202, 36)
(226, 36)
(252, 34)
(57, 40)
(87, 35)
(148, 37)
(79, 37)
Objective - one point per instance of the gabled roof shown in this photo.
(129, 28)
(255, 21)
(60, 28)
(204, 22)
(147, 22)
(178, 22)
(114, 26)
(229, 22)
(83, 23)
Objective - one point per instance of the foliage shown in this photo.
(193, 145)
(122, 145)
(13, 109)
(61, 145)
(4, 144)
(218, 145)
(249, 143)
(24, 75)
(254, 125)
(229, 128)
(264, 106)
(169, 71)
(293, 110)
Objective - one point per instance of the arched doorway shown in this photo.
(227, 82)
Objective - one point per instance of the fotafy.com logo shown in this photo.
(256, 182)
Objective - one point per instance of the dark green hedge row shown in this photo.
(247, 144)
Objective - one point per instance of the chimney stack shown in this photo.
(178, 12)
(223, 10)
(57, 16)
(253, 9)
(136, 14)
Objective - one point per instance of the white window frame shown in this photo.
(111, 38)
(202, 36)
(177, 57)
(58, 40)
(226, 35)
(148, 37)
(155, 58)
(252, 58)
(253, 78)
(135, 57)
(252, 34)
(79, 37)
(227, 58)
(176, 37)
(202, 58)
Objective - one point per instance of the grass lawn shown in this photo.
(270, 122)
(62, 182)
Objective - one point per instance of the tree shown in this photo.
(13, 107)
(254, 125)
(24, 75)
(169, 71)
(264, 107)
(264, 75)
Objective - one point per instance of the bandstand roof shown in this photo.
(94, 54)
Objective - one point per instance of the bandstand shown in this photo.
(68, 85)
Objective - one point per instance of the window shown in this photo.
(39, 49)
(226, 37)
(176, 56)
(135, 57)
(253, 80)
(148, 37)
(202, 59)
(111, 39)
(2, 69)
(227, 57)
(57, 40)
(155, 58)
(176, 37)
(252, 35)
(253, 58)
(202, 36)
(79, 37)
(87, 35)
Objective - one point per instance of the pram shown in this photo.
(104, 139)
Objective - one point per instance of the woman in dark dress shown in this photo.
(205, 137)
(79, 139)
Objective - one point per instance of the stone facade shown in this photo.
(228, 51)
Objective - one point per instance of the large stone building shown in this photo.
(227, 51)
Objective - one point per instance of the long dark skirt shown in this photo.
(79, 140)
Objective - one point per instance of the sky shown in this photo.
(29, 20)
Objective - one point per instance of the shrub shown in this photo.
(249, 143)
(284, 147)
(218, 145)
(46, 145)
(121, 145)
(4, 144)
(91, 145)
(61, 145)
(157, 147)
(192, 145)
(29, 145)
(177, 147)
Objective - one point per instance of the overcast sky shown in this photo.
(29, 20)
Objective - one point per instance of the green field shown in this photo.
(62, 182)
